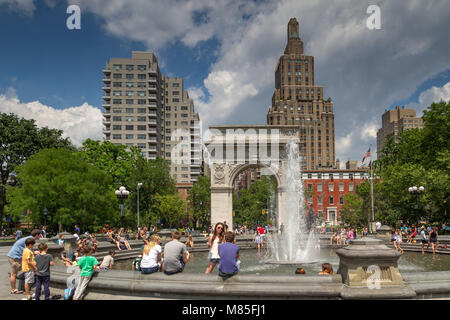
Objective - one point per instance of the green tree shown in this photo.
(113, 159)
(200, 201)
(72, 190)
(156, 180)
(20, 139)
(249, 204)
(352, 213)
(171, 208)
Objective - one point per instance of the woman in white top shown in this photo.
(151, 256)
(214, 240)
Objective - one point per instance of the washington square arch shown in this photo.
(234, 148)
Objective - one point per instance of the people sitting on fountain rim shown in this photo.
(327, 268)
(335, 238)
(300, 271)
(229, 256)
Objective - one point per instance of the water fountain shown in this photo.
(296, 243)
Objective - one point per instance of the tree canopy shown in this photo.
(72, 190)
(20, 139)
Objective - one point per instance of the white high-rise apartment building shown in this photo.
(143, 108)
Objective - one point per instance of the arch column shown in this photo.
(222, 206)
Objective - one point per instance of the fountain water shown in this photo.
(295, 244)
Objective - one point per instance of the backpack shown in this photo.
(68, 293)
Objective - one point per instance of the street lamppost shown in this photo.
(139, 185)
(416, 191)
(122, 194)
(45, 211)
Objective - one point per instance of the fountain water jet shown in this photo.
(296, 244)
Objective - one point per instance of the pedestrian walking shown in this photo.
(86, 264)
(399, 240)
(15, 258)
(434, 239)
(43, 263)
(423, 239)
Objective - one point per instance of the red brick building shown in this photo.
(328, 188)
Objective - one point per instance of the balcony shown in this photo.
(106, 130)
(106, 121)
(107, 114)
(152, 106)
(153, 97)
(106, 105)
(152, 80)
(152, 131)
(106, 79)
(151, 157)
(152, 140)
(152, 149)
(153, 89)
(153, 72)
(106, 70)
(106, 87)
(152, 122)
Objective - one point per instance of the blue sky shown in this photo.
(226, 51)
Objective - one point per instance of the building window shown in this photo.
(319, 200)
(341, 187)
(331, 200)
(129, 110)
(331, 187)
(130, 76)
(117, 136)
(130, 84)
(309, 186)
(117, 67)
(130, 67)
(140, 128)
(128, 127)
(176, 85)
(142, 67)
(117, 127)
(175, 100)
(117, 101)
(129, 101)
(117, 76)
(142, 76)
(350, 187)
(117, 84)
(141, 118)
(319, 187)
(341, 199)
(141, 136)
(117, 118)
(129, 136)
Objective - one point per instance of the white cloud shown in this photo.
(78, 123)
(26, 7)
(362, 70)
(433, 94)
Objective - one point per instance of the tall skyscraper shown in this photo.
(143, 108)
(298, 101)
(393, 122)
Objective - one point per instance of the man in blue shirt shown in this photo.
(15, 258)
(229, 255)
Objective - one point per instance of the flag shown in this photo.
(366, 155)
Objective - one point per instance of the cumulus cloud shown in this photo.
(362, 70)
(433, 94)
(78, 123)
